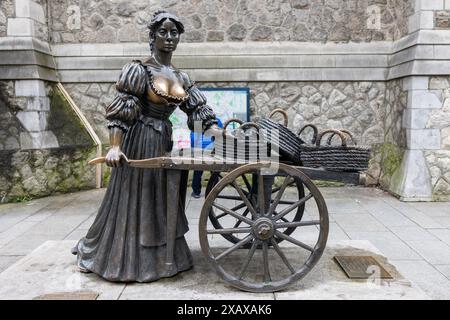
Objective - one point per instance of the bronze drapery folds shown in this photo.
(127, 241)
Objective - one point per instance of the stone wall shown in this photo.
(366, 65)
(10, 126)
(29, 20)
(110, 21)
(438, 161)
(389, 155)
(6, 11)
(356, 106)
(38, 173)
(27, 170)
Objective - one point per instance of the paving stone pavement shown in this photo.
(414, 237)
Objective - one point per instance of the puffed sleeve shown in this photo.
(196, 108)
(126, 106)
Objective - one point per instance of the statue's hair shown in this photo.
(158, 18)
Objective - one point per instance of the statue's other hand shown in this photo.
(115, 157)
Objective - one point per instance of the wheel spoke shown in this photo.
(278, 188)
(266, 262)
(261, 195)
(284, 219)
(245, 199)
(228, 230)
(228, 197)
(286, 202)
(282, 256)
(251, 252)
(297, 224)
(292, 207)
(235, 247)
(247, 184)
(238, 207)
(279, 195)
(238, 223)
(221, 215)
(294, 241)
(232, 213)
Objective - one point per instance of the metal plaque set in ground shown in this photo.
(361, 267)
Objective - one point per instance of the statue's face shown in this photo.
(167, 36)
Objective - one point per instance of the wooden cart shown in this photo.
(250, 227)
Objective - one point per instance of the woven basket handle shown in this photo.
(334, 131)
(248, 125)
(348, 133)
(244, 127)
(236, 120)
(283, 113)
(316, 132)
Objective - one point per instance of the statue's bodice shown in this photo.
(166, 85)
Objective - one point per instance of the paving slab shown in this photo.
(413, 233)
(396, 250)
(386, 214)
(444, 269)
(359, 222)
(25, 244)
(415, 215)
(15, 231)
(327, 281)
(336, 232)
(51, 269)
(430, 280)
(442, 222)
(433, 251)
(344, 206)
(433, 209)
(6, 261)
(442, 234)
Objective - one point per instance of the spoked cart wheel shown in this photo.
(248, 186)
(258, 262)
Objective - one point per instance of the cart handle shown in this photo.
(348, 133)
(334, 131)
(283, 113)
(316, 132)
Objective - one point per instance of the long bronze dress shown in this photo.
(127, 241)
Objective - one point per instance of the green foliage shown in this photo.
(391, 158)
(22, 199)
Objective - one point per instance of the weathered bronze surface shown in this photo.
(362, 267)
(138, 234)
(77, 295)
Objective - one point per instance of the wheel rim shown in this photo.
(260, 231)
(215, 178)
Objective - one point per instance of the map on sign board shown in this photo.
(227, 103)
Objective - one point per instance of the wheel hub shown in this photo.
(263, 229)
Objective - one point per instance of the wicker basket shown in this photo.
(335, 158)
(315, 132)
(288, 142)
(244, 144)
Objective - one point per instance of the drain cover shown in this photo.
(362, 267)
(77, 295)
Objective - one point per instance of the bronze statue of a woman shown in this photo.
(127, 241)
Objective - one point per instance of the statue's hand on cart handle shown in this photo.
(115, 157)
